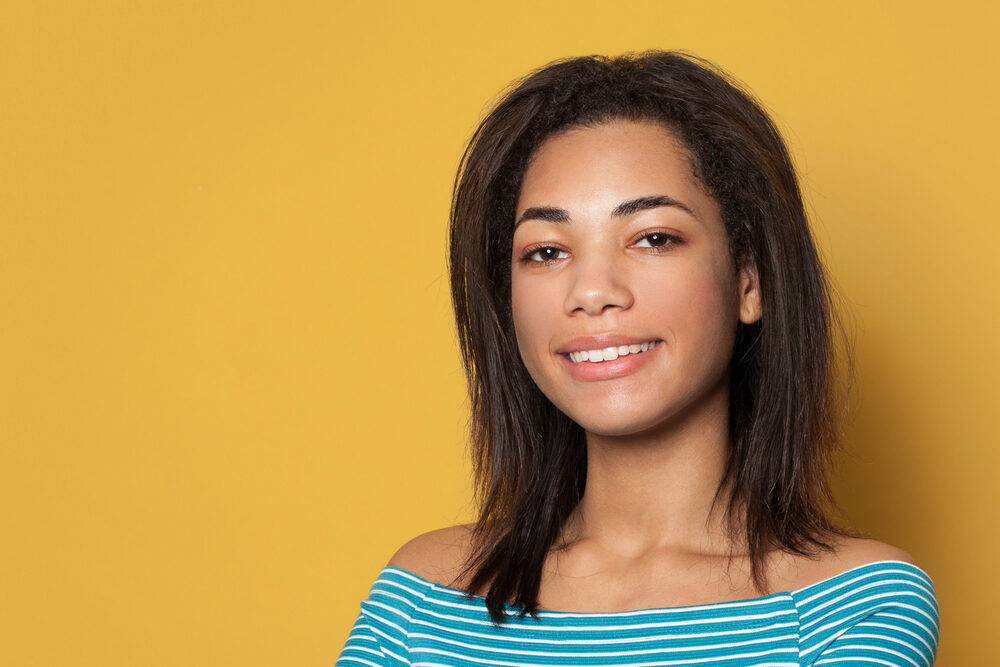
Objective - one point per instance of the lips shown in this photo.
(601, 341)
(618, 366)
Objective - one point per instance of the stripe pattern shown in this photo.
(881, 613)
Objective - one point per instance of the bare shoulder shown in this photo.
(849, 552)
(861, 551)
(437, 555)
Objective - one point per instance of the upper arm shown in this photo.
(880, 612)
(904, 635)
(361, 647)
(380, 635)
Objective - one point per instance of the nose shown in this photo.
(596, 283)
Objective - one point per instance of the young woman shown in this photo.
(650, 347)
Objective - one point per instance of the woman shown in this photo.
(649, 342)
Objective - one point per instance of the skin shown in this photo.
(605, 277)
(656, 438)
(644, 534)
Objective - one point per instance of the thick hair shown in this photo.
(529, 459)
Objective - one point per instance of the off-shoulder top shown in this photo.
(881, 613)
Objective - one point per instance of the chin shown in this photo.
(618, 425)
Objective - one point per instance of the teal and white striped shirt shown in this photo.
(882, 613)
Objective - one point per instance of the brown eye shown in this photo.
(542, 255)
(658, 240)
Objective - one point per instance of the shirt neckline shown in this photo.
(481, 601)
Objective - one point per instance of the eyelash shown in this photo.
(671, 241)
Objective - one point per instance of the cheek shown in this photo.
(698, 306)
(529, 310)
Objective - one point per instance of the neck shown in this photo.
(655, 490)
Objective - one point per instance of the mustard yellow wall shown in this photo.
(230, 388)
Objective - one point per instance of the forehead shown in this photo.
(619, 158)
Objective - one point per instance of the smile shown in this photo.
(610, 353)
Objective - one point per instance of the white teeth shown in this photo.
(610, 353)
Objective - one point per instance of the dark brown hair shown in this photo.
(529, 458)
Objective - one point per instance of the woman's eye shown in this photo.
(543, 255)
(657, 240)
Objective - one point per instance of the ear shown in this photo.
(749, 281)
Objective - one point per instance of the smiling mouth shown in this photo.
(611, 353)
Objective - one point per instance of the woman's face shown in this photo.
(617, 247)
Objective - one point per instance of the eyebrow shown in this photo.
(626, 208)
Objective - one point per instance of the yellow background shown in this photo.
(230, 387)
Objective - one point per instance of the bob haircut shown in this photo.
(530, 459)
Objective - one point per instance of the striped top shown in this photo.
(882, 613)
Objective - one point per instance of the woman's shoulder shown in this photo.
(399, 591)
(854, 551)
(848, 553)
(437, 555)
(867, 601)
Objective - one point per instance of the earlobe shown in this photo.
(750, 305)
